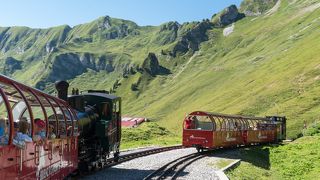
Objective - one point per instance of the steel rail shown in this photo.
(175, 167)
(127, 157)
(112, 161)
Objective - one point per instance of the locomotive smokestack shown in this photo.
(62, 88)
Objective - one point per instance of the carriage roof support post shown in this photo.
(75, 116)
(55, 115)
(43, 110)
(8, 107)
(71, 118)
(64, 116)
(28, 107)
(213, 123)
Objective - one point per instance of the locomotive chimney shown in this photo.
(62, 88)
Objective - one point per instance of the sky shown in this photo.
(49, 13)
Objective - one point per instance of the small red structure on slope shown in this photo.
(132, 121)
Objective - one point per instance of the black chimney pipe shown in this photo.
(62, 88)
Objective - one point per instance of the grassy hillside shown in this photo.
(297, 160)
(268, 65)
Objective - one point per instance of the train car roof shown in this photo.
(109, 96)
(104, 95)
(229, 116)
(8, 81)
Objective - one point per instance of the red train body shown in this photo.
(60, 148)
(205, 130)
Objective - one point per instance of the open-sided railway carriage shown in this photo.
(57, 153)
(205, 130)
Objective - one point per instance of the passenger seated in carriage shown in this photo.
(39, 132)
(22, 131)
(51, 133)
(189, 123)
(4, 137)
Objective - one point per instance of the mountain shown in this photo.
(262, 59)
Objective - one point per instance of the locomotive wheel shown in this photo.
(116, 156)
(83, 167)
(93, 167)
(100, 164)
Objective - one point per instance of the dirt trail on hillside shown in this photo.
(310, 8)
(307, 9)
(274, 9)
(186, 65)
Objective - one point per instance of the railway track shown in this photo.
(172, 169)
(127, 157)
(112, 161)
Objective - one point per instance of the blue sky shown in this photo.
(48, 13)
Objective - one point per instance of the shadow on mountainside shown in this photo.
(258, 156)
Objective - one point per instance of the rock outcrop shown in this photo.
(151, 64)
(70, 65)
(227, 16)
(11, 65)
(168, 33)
(256, 7)
(191, 38)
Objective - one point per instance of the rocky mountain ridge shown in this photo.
(58, 50)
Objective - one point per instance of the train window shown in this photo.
(62, 131)
(217, 123)
(204, 123)
(52, 121)
(62, 126)
(39, 131)
(105, 112)
(117, 106)
(77, 103)
(18, 109)
(52, 129)
(75, 123)
(199, 123)
(21, 116)
(4, 123)
(39, 122)
(69, 119)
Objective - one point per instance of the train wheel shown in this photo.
(83, 167)
(117, 152)
(100, 164)
(116, 156)
(199, 149)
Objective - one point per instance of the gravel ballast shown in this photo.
(139, 168)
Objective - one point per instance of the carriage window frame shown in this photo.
(196, 123)
(63, 120)
(75, 122)
(8, 119)
(69, 115)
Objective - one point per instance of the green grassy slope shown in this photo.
(297, 160)
(268, 65)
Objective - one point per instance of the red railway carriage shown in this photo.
(205, 130)
(53, 155)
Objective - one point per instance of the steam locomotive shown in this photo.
(99, 121)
